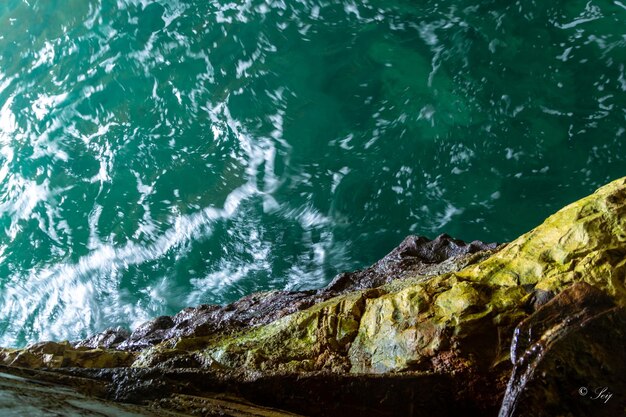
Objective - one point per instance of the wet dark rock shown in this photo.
(435, 328)
(204, 320)
(314, 394)
(109, 339)
(27, 397)
(538, 298)
(129, 392)
(569, 358)
(416, 255)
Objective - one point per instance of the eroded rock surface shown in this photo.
(568, 358)
(21, 397)
(427, 330)
(415, 255)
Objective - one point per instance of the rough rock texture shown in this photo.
(427, 330)
(60, 355)
(32, 393)
(23, 397)
(415, 255)
(569, 358)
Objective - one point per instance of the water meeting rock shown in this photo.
(451, 327)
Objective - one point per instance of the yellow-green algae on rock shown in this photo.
(472, 312)
(461, 321)
(405, 325)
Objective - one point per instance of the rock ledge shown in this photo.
(437, 327)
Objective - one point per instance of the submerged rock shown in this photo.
(436, 327)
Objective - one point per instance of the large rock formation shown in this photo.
(533, 327)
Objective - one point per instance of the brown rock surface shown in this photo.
(428, 330)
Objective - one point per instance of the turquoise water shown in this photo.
(160, 154)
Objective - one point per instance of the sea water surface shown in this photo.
(161, 154)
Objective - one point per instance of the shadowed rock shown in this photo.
(428, 330)
(569, 358)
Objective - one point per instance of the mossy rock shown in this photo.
(458, 324)
(469, 314)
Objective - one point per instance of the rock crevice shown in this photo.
(437, 327)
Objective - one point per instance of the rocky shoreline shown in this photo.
(535, 327)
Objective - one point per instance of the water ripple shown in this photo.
(160, 154)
